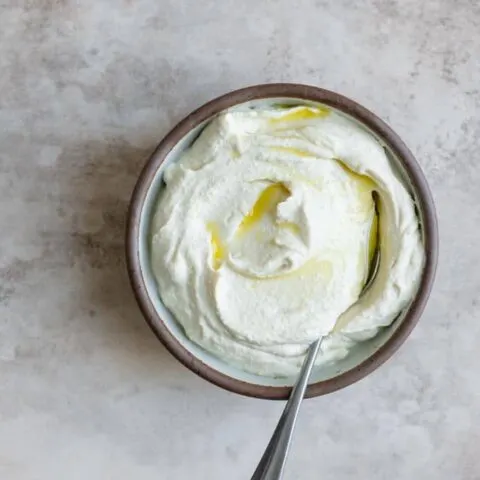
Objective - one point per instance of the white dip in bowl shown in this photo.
(263, 236)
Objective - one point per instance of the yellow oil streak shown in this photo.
(219, 251)
(293, 151)
(302, 113)
(266, 202)
(366, 184)
(312, 267)
(293, 227)
(366, 187)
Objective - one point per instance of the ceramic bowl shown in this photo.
(365, 357)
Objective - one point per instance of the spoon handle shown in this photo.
(272, 462)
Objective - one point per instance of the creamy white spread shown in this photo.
(263, 236)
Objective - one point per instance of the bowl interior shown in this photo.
(359, 353)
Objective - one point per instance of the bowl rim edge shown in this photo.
(294, 91)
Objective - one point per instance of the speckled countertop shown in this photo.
(87, 89)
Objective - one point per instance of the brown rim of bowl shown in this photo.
(294, 91)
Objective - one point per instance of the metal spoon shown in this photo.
(273, 460)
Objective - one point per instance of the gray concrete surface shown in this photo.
(86, 91)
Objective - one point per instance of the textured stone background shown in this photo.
(86, 91)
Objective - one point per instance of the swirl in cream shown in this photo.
(263, 236)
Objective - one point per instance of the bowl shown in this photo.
(365, 357)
